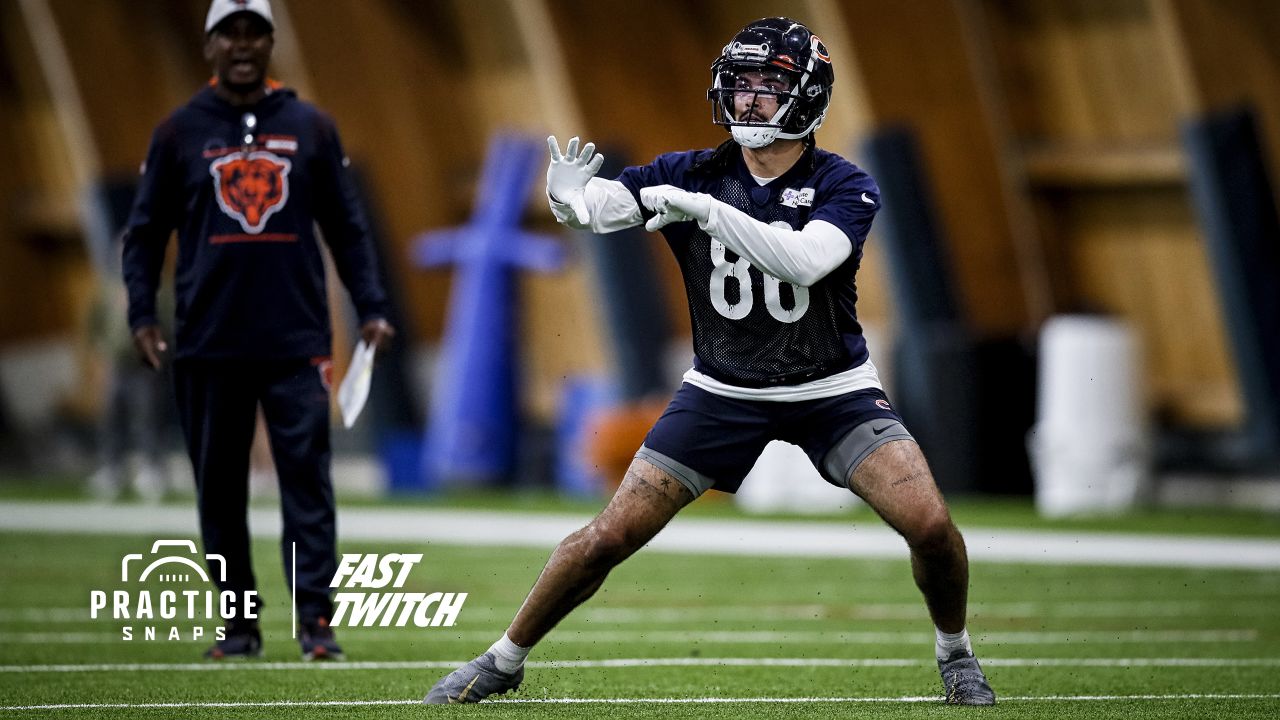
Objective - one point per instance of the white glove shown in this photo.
(568, 174)
(671, 204)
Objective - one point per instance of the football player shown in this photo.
(768, 231)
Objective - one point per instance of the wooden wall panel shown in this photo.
(1089, 92)
(633, 102)
(1083, 72)
(916, 70)
(387, 74)
(45, 279)
(1094, 98)
(642, 76)
(416, 89)
(1232, 50)
(641, 82)
(849, 120)
(15, 258)
(126, 95)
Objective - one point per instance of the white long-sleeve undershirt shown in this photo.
(611, 205)
(800, 257)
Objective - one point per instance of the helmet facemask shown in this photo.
(752, 100)
(772, 81)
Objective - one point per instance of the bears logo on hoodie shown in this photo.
(250, 188)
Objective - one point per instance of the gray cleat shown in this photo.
(474, 682)
(963, 681)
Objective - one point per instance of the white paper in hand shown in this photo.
(354, 390)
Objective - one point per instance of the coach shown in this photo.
(244, 171)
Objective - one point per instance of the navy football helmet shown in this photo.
(772, 57)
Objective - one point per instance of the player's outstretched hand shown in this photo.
(568, 174)
(671, 204)
(150, 344)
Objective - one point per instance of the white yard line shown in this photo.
(724, 637)
(210, 705)
(643, 701)
(901, 699)
(1164, 662)
(864, 538)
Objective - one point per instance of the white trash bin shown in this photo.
(1090, 448)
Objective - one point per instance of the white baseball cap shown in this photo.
(220, 9)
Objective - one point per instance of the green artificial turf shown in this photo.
(761, 629)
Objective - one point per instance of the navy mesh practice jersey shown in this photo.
(749, 328)
(250, 276)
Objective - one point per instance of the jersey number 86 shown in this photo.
(740, 272)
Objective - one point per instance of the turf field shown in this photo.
(670, 635)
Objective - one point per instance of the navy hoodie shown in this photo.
(249, 281)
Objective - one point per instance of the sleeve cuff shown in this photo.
(372, 315)
(711, 225)
(142, 321)
(562, 212)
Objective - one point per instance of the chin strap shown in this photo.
(753, 136)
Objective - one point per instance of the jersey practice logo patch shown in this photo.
(251, 188)
(792, 197)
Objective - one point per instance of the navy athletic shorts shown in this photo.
(711, 441)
